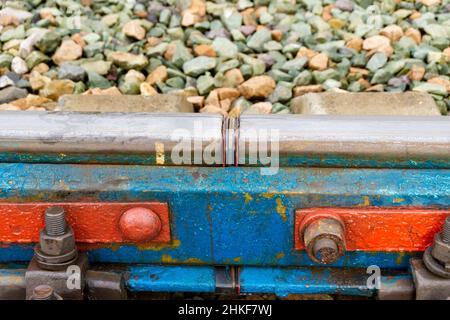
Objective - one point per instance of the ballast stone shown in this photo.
(367, 104)
(124, 103)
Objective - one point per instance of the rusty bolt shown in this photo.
(140, 224)
(324, 240)
(44, 292)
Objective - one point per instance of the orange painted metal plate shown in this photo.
(92, 222)
(381, 229)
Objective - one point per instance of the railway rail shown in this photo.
(101, 205)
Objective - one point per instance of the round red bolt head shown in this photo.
(140, 224)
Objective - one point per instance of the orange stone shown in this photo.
(158, 75)
(355, 44)
(205, 50)
(319, 62)
(414, 34)
(416, 73)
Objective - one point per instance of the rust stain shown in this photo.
(398, 200)
(247, 197)
(237, 259)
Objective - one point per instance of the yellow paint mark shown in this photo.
(159, 148)
(157, 247)
(248, 197)
(267, 195)
(366, 201)
(63, 155)
(281, 209)
(279, 255)
(167, 259)
(193, 260)
(237, 259)
(400, 258)
(398, 200)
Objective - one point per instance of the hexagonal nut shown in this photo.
(57, 245)
(441, 250)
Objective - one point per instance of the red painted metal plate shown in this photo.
(92, 222)
(381, 229)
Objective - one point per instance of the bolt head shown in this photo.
(42, 292)
(140, 224)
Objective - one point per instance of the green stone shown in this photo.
(322, 76)
(437, 30)
(205, 84)
(156, 32)
(278, 107)
(79, 88)
(176, 33)
(247, 70)
(158, 50)
(237, 35)
(196, 37)
(181, 54)
(258, 39)
(331, 84)
(432, 88)
(394, 67)
(91, 50)
(227, 65)
(304, 78)
(258, 66)
(97, 81)
(231, 19)
(279, 75)
(16, 33)
(49, 42)
(100, 67)
(5, 60)
(225, 48)
(282, 92)
(130, 87)
(295, 64)
(34, 58)
(381, 76)
(377, 61)
(272, 46)
(164, 16)
(176, 82)
(199, 65)
(355, 87)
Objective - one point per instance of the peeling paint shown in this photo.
(281, 209)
